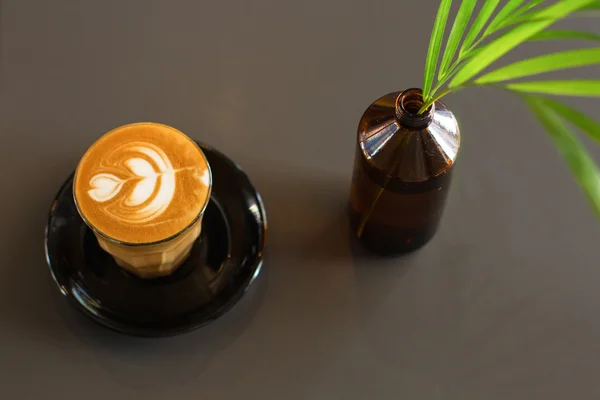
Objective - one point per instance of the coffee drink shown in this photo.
(142, 188)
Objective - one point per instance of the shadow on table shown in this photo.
(306, 211)
(160, 364)
(376, 276)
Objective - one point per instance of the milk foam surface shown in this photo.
(142, 183)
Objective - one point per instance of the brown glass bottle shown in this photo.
(402, 172)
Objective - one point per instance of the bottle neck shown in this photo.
(408, 104)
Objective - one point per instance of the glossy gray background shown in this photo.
(502, 304)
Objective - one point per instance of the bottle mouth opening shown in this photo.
(411, 101)
(408, 105)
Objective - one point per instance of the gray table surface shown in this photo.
(502, 304)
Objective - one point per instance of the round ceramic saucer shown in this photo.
(223, 263)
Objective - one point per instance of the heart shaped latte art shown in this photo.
(154, 187)
(104, 187)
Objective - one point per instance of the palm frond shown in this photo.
(517, 22)
(435, 43)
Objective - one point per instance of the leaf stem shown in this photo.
(379, 192)
(366, 216)
(429, 102)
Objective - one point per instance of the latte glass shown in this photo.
(142, 189)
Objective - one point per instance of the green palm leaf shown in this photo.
(482, 18)
(564, 34)
(586, 11)
(541, 64)
(472, 52)
(581, 164)
(435, 43)
(504, 13)
(588, 88)
(530, 5)
(456, 33)
(513, 38)
(594, 6)
(577, 118)
(520, 14)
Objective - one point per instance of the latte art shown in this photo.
(142, 182)
(153, 179)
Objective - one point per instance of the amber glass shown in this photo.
(402, 172)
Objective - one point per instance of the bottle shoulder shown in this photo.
(409, 155)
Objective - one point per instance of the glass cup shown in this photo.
(156, 258)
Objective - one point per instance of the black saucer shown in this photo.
(223, 263)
